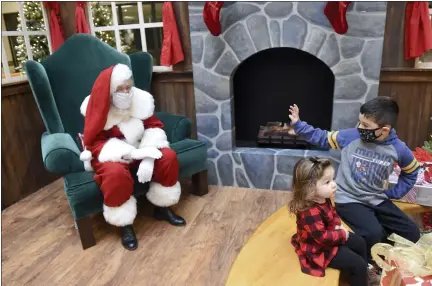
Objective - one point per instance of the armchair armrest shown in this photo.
(60, 153)
(176, 127)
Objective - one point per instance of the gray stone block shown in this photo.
(212, 176)
(371, 6)
(314, 40)
(373, 92)
(197, 48)
(225, 169)
(212, 153)
(278, 9)
(224, 141)
(213, 85)
(294, 32)
(237, 158)
(240, 41)
(345, 115)
(347, 67)
(257, 26)
(314, 12)
(196, 23)
(366, 25)
(330, 51)
(371, 59)
(203, 102)
(350, 87)
(214, 48)
(208, 125)
(235, 13)
(259, 169)
(226, 64)
(351, 47)
(275, 33)
(195, 11)
(282, 183)
(226, 115)
(241, 178)
(287, 160)
(203, 139)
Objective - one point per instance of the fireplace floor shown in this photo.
(254, 144)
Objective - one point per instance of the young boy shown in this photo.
(367, 158)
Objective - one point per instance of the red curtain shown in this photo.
(80, 19)
(418, 30)
(56, 31)
(172, 51)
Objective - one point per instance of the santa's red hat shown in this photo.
(99, 103)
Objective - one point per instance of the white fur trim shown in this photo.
(147, 152)
(114, 149)
(120, 74)
(164, 196)
(142, 108)
(86, 155)
(133, 130)
(88, 167)
(122, 215)
(142, 104)
(83, 107)
(154, 137)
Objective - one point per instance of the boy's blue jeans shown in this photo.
(376, 223)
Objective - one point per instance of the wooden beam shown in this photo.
(393, 47)
(181, 11)
(67, 18)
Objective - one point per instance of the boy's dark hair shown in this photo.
(382, 110)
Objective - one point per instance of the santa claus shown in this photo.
(122, 135)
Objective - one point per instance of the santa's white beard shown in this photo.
(121, 112)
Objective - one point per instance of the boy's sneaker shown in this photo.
(374, 277)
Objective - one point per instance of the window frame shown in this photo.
(117, 28)
(26, 34)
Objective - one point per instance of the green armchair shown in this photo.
(59, 85)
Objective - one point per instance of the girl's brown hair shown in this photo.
(307, 172)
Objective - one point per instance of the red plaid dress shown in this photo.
(316, 241)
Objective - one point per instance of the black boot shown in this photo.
(128, 237)
(166, 214)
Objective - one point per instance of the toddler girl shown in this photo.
(321, 240)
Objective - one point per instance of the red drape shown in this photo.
(172, 51)
(56, 31)
(80, 19)
(418, 30)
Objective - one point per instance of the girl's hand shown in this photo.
(295, 114)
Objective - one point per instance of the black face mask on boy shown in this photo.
(368, 135)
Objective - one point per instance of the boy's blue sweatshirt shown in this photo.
(365, 166)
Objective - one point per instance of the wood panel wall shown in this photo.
(412, 89)
(22, 171)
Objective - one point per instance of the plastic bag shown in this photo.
(414, 258)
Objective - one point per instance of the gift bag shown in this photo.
(405, 263)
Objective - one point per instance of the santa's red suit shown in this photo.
(114, 142)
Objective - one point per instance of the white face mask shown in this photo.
(122, 100)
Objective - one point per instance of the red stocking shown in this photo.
(211, 14)
(335, 12)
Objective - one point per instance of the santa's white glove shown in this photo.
(145, 170)
(146, 152)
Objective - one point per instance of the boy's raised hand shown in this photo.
(295, 114)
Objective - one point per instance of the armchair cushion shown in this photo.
(176, 127)
(192, 156)
(60, 153)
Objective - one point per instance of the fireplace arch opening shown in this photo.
(268, 82)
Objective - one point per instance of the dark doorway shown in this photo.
(267, 83)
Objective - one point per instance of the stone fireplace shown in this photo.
(271, 55)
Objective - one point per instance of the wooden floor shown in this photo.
(41, 247)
